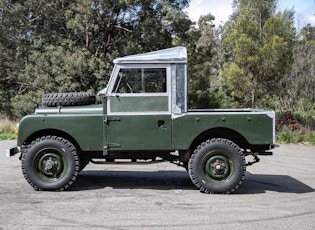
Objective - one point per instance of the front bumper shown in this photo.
(11, 151)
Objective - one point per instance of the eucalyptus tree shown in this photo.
(70, 45)
(204, 45)
(298, 92)
(260, 41)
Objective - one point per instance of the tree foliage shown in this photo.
(204, 63)
(260, 41)
(298, 86)
(60, 46)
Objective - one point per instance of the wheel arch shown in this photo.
(52, 132)
(220, 132)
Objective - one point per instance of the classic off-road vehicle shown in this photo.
(143, 118)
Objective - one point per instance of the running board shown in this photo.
(128, 162)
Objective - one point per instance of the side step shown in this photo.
(124, 162)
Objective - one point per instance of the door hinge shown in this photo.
(110, 146)
(108, 119)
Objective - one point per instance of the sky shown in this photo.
(222, 9)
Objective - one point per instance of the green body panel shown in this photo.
(132, 132)
(256, 128)
(139, 103)
(146, 132)
(139, 132)
(83, 123)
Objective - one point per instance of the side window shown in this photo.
(141, 80)
(128, 81)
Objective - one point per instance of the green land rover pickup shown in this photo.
(142, 118)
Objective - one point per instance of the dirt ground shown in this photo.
(278, 193)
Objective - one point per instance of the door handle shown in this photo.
(161, 124)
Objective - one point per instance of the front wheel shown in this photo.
(50, 163)
(217, 166)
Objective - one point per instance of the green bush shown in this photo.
(24, 104)
(296, 126)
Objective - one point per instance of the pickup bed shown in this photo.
(142, 118)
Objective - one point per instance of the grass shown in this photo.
(285, 136)
(296, 128)
(7, 129)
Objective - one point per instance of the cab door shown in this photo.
(139, 108)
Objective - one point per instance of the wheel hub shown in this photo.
(217, 167)
(50, 164)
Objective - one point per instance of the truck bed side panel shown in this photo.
(256, 128)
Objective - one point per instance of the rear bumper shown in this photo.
(11, 151)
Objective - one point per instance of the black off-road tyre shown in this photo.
(68, 99)
(50, 163)
(217, 166)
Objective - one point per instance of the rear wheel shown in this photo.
(217, 166)
(50, 163)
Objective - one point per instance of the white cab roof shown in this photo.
(171, 55)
